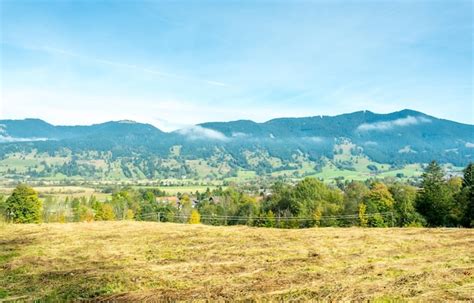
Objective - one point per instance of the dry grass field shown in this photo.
(140, 261)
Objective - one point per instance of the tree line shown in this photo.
(437, 201)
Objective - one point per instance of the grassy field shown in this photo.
(140, 261)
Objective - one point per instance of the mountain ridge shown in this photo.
(282, 144)
(401, 113)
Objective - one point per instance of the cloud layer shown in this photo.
(8, 139)
(389, 125)
(198, 132)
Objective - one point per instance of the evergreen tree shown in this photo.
(434, 201)
(467, 195)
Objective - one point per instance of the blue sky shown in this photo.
(176, 63)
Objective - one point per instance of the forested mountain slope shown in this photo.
(133, 149)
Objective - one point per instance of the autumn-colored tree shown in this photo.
(108, 212)
(317, 216)
(195, 217)
(379, 198)
(362, 217)
(104, 211)
(129, 214)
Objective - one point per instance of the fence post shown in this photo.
(159, 216)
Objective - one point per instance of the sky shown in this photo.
(179, 63)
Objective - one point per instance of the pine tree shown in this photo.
(467, 195)
(435, 201)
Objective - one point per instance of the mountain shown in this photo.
(384, 137)
(302, 145)
(22, 130)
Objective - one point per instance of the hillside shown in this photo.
(324, 146)
(139, 261)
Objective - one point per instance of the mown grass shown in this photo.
(144, 261)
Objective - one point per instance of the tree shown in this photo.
(458, 206)
(3, 208)
(404, 205)
(247, 207)
(270, 219)
(129, 214)
(104, 211)
(379, 200)
(23, 206)
(362, 217)
(195, 217)
(313, 195)
(353, 195)
(434, 201)
(466, 197)
(107, 212)
(317, 217)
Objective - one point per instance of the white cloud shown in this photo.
(8, 139)
(239, 135)
(406, 150)
(198, 132)
(469, 145)
(5, 138)
(388, 125)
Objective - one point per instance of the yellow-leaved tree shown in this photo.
(195, 217)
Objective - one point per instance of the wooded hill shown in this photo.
(129, 149)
